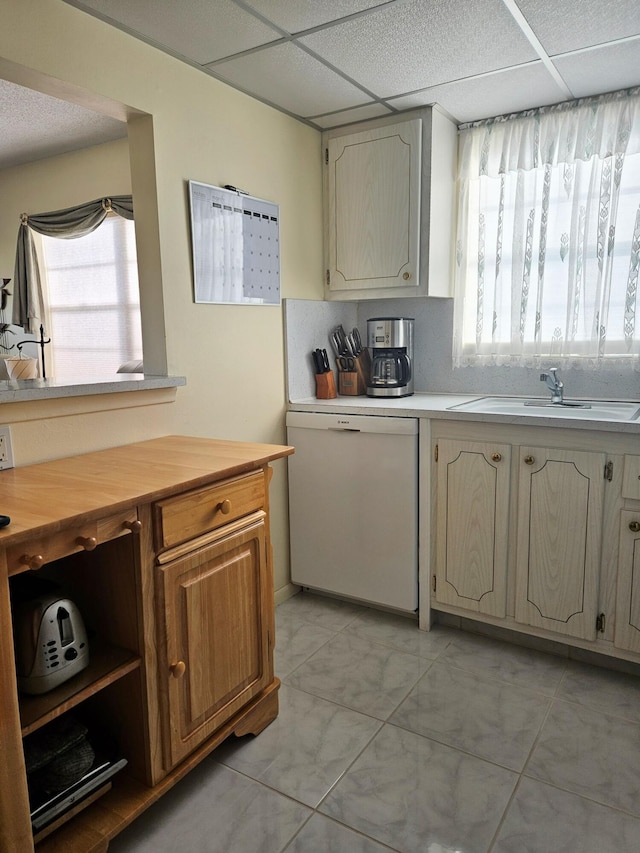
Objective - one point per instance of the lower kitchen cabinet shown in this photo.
(627, 631)
(558, 534)
(217, 634)
(471, 527)
(164, 548)
(528, 536)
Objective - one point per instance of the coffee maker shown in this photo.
(390, 344)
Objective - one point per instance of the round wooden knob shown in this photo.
(34, 561)
(178, 669)
(87, 542)
(634, 526)
(496, 457)
(225, 506)
(529, 460)
(133, 526)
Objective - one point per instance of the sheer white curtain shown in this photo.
(548, 241)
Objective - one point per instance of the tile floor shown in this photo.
(390, 738)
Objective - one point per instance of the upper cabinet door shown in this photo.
(374, 208)
(560, 506)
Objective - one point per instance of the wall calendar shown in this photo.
(235, 242)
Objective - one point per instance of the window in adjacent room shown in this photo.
(92, 301)
(548, 243)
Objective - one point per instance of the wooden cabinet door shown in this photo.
(627, 630)
(217, 613)
(472, 523)
(373, 215)
(559, 532)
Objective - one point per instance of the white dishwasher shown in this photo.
(353, 506)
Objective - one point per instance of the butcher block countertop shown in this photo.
(40, 498)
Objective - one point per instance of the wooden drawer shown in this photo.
(36, 552)
(631, 478)
(191, 514)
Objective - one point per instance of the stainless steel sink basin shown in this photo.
(597, 410)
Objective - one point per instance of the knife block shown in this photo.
(349, 383)
(325, 386)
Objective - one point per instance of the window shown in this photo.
(548, 244)
(92, 301)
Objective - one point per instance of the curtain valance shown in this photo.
(28, 303)
(561, 134)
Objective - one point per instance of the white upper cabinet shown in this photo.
(389, 208)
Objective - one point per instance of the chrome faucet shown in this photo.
(554, 384)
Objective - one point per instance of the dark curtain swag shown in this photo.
(28, 303)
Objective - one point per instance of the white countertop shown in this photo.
(18, 390)
(438, 406)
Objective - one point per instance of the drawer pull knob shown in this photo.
(634, 526)
(134, 526)
(225, 506)
(529, 460)
(34, 561)
(496, 457)
(87, 542)
(178, 669)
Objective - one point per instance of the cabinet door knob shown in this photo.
(406, 276)
(133, 526)
(529, 460)
(178, 669)
(225, 506)
(34, 561)
(496, 457)
(634, 526)
(87, 542)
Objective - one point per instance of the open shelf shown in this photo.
(107, 664)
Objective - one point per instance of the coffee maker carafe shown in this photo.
(390, 344)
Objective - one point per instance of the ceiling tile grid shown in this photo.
(413, 45)
(330, 62)
(308, 87)
(562, 27)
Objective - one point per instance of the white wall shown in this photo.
(232, 356)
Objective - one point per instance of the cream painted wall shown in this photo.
(232, 356)
(57, 183)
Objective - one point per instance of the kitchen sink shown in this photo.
(582, 409)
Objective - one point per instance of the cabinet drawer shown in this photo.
(36, 552)
(194, 513)
(631, 478)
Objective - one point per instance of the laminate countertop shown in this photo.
(439, 406)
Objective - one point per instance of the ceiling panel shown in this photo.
(602, 69)
(414, 45)
(261, 72)
(200, 30)
(350, 116)
(297, 15)
(40, 126)
(494, 94)
(562, 27)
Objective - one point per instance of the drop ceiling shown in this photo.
(332, 62)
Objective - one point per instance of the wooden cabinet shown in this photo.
(559, 532)
(164, 547)
(216, 633)
(627, 629)
(471, 528)
(389, 207)
(526, 532)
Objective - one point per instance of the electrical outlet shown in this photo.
(6, 451)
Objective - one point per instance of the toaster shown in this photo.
(51, 643)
